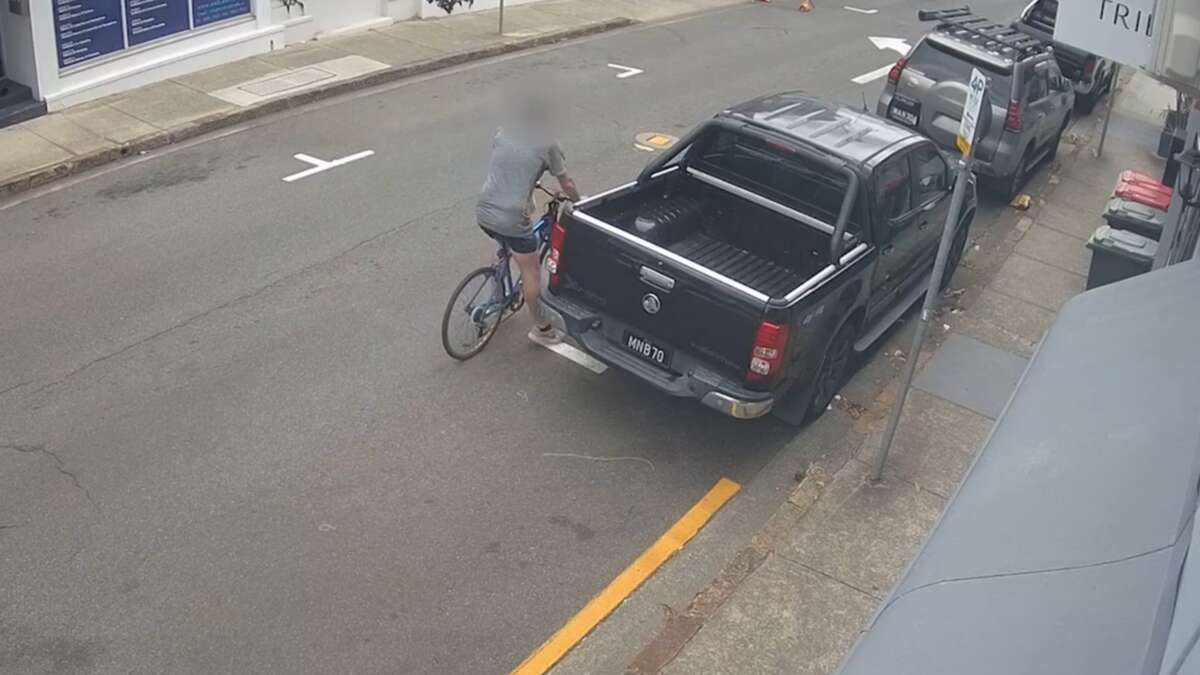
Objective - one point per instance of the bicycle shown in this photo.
(493, 293)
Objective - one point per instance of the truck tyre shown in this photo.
(1086, 103)
(804, 404)
(957, 248)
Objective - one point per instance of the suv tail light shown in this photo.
(894, 73)
(766, 360)
(558, 237)
(1089, 69)
(1012, 122)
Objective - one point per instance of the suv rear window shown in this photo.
(776, 173)
(941, 65)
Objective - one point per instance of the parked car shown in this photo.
(746, 266)
(1030, 99)
(1091, 76)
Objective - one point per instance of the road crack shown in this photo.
(59, 464)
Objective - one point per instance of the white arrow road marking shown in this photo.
(860, 11)
(320, 165)
(579, 357)
(867, 78)
(898, 45)
(626, 71)
(895, 44)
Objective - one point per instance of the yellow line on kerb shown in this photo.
(544, 658)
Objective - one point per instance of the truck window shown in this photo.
(930, 171)
(777, 173)
(893, 188)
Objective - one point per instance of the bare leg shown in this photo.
(531, 286)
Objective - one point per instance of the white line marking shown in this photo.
(570, 455)
(572, 354)
(873, 75)
(320, 165)
(639, 146)
(898, 45)
(860, 11)
(626, 71)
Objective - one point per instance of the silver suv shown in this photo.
(1031, 100)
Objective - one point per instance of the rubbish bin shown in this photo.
(1124, 214)
(1117, 255)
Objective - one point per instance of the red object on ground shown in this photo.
(1144, 189)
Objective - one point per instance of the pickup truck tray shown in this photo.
(741, 266)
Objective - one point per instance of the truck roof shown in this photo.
(837, 129)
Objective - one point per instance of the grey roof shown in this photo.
(1061, 551)
(837, 129)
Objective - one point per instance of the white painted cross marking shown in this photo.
(626, 71)
(320, 165)
(860, 11)
(898, 45)
(581, 358)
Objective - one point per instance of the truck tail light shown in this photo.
(1089, 69)
(766, 360)
(558, 237)
(894, 73)
(1012, 122)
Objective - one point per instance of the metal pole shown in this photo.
(502, 17)
(1112, 103)
(927, 309)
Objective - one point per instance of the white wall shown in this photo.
(16, 35)
(139, 66)
(429, 11)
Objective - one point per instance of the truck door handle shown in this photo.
(923, 224)
(657, 279)
(887, 249)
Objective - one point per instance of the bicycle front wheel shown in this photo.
(472, 315)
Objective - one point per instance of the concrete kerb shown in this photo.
(195, 128)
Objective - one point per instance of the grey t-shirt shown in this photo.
(518, 162)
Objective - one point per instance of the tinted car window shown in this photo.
(1037, 86)
(893, 188)
(930, 170)
(775, 172)
(939, 65)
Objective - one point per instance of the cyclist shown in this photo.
(521, 153)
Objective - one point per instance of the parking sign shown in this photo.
(971, 110)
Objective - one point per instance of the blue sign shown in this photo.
(87, 29)
(148, 20)
(205, 12)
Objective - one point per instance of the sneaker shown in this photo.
(549, 336)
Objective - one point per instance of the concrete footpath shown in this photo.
(70, 141)
(795, 600)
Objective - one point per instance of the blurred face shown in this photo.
(532, 110)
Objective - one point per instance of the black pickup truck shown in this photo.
(745, 266)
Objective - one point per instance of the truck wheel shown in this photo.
(957, 248)
(832, 373)
(1086, 103)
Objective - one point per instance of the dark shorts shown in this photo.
(525, 244)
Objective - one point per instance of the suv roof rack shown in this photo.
(959, 22)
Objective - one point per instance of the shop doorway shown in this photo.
(16, 100)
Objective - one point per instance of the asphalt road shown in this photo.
(231, 442)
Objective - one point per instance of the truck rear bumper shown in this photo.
(720, 393)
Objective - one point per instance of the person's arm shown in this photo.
(556, 162)
(568, 186)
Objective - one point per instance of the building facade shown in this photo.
(59, 53)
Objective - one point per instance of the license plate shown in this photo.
(905, 112)
(647, 350)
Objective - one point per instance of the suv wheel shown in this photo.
(1011, 187)
(1086, 103)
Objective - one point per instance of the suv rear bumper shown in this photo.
(718, 392)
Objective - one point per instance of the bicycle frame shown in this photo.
(508, 290)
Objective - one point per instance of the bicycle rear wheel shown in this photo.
(472, 314)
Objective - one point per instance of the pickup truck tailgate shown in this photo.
(652, 297)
